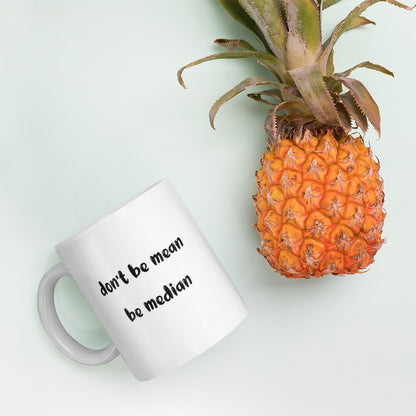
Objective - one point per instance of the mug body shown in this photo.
(154, 282)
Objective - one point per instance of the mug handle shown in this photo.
(54, 328)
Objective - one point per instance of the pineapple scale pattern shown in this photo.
(319, 205)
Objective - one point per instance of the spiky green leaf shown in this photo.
(273, 93)
(240, 87)
(329, 3)
(268, 17)
(346, 23)
(311, 86)
(343, 116)
(295, 107)
(364, 100)
(235, 44)
(266, 59)
(334, 86)
(304, 36)
(365, 64)
(357, 22)
(237, 11)
(291, 93)
(354, 111)
(330, 67)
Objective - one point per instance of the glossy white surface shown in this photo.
(91, 114)
(153, 281)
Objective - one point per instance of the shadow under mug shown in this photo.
(153, 281)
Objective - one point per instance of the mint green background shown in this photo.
(91, 114)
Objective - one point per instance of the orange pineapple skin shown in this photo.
(319, 205)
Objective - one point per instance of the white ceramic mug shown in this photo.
(153, 281)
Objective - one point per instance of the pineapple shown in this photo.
(320, 197)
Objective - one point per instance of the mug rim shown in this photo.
(109, 214)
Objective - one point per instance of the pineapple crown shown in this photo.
(306, 91)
